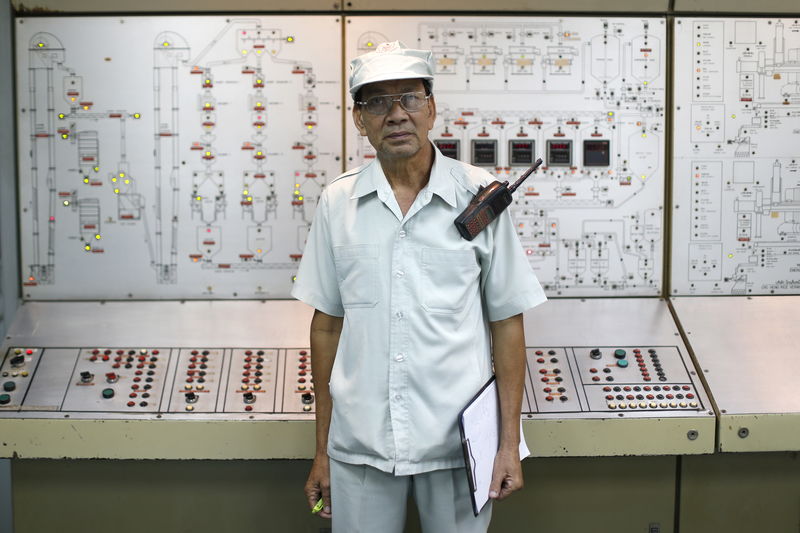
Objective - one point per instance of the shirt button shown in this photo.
(399, 358)
(400, 274)
(402, 234)
(399, 314)
(398, 397)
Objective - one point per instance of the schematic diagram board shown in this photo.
(166, 157)
(736, 212)
(586, 95)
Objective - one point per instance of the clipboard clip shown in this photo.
(470, 464)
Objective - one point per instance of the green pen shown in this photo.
(318, 507)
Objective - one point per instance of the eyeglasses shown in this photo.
(380, 105)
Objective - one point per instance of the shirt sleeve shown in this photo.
(316, 282)
(508, 282)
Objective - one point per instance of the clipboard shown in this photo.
(479, 425)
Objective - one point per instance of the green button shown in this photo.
(4, 399)
(619, 353)
(108, 393)
(622, 363)
(9, 386)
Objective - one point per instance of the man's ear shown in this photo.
(358, 120)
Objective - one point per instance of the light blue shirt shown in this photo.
(417, 299)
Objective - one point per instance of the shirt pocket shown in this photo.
(357, 272)
(449, 279)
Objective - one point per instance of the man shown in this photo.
(407, 315)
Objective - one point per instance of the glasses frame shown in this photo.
(398, 97)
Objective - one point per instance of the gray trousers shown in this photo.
(367, 500)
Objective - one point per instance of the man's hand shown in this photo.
(507, 474)
(319, 485)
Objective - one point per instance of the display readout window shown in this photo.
(449, 147)
(520, 152)
(596, 153)
(484, 152)
(559, 153)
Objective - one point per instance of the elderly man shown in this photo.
(409, 317)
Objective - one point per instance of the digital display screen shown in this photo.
(449, 148)
(559, 153)
(596, 153)
(521, 153)
(484, 153)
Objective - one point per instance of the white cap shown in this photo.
(390, 61)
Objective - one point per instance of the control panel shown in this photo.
(610, 378)
(124, 380)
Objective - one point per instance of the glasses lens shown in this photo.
(411, 101)
(378, 105)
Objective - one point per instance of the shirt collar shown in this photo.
(440, 183)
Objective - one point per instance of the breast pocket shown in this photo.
(449, 279)
(357, 272)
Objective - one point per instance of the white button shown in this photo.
(399, 358)
(399, 314)
(402, 234)
(400, 274)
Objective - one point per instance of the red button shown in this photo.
(248, 407)
(607, 388)
(131, 404)
(549, 398)
(303, 352)
(547, 389)
(593, 370)
(595, 378)
(155, 352)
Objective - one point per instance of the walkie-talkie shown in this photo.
(488, 204)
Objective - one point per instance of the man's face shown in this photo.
(398, 134)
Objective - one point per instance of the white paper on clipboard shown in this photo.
(480, 437)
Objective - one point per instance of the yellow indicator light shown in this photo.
(127, 182)
(208, 153)
(309, 127)
(290, 39)
(699, 44)
(733, 116)
(66, 203)
(137, 115)
(113, 180)
(644, 177)
(64, 135)
(96, 169)
(121, 174)
(300, 198)
(297, 192)
(249, 198)
(645, 83)
(61, 115)
(259, 81)
(165, 43)
(259, 104)
(370, 44)
(296, 184)
(208, 81)
(116, 191)
(610, 113)
(258, 251)
(72, 99)
(199, 198)
(208, 104)
(259, 153)
(730, 256)
(87, 248)
(40, 45)
(244, 52)
(644, 135)
(294, 278)
(97, 236)
(86, 180)
(86, 108)
(245, 192)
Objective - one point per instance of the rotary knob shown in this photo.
(86, 377)
(595, 353)
(18, 360)
(249, 397)
(307, 398)
(191, 397)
